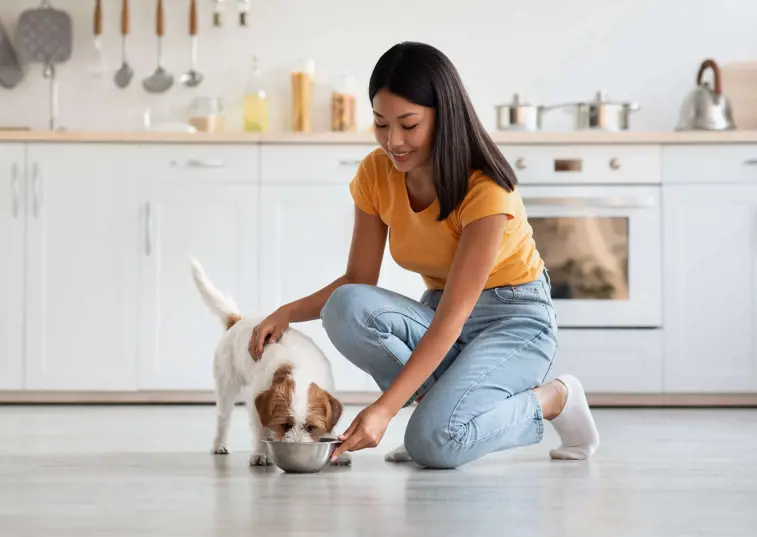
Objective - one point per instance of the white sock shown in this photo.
(575, 424)
(398, 454)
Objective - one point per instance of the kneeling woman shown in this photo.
(476, 348)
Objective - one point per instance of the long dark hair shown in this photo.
(424, 76)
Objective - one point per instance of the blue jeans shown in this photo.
(479, 399)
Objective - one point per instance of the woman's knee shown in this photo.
(430, 442)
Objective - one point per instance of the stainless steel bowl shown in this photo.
(301, 457)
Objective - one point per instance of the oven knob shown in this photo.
(614, 163)
(520, 163)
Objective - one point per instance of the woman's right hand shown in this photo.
(268, 331)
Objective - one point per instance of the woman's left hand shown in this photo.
(366, 430)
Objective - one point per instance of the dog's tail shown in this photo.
(223, 306)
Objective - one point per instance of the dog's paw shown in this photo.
(260, 459)
(345, 459)
(398, 454)
(219, 449)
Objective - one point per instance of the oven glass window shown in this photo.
(587, 257)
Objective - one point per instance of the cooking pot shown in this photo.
(602, 114)
(706, 108)
(519, 115)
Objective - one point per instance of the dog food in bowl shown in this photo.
(301, 457)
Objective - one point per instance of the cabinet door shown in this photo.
(305, 239)
(710, 312)
(81, 266)
(217, 225)
(12, 234)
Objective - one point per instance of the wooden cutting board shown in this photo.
(740, 85)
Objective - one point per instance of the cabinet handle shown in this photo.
(36, 189)
(14, 190)
(199, 163)
(751, 161)
(148, 229)
(350, 162)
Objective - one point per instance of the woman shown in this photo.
(475, 350)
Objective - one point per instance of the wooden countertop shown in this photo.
(366, 137)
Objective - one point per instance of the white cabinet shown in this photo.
(217, 224)
(305, 240)
(710, 294)
(611, 361)
(81, 270)
(12, 251)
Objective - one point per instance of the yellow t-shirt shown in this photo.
(421, 244)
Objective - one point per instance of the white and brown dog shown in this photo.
(288, 389)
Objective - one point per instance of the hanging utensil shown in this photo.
(244, 12)
(11, 70)
(45, 35)
(193, 78)
(706, 108)
(98, 68)
(160, 80)
(217, 16)
(125, 73)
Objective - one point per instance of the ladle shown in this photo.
(124, 75)
(160, 80)
(193, 77)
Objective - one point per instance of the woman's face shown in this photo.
(403, 130)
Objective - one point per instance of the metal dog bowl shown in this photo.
(301, 457)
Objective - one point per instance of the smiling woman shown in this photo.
(476, 348)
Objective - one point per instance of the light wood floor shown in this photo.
(146, 471)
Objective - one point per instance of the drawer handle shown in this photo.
(14, 190)
(350, 162)
(588, 201)
(751, 162)
(197, 163)
(568, 164)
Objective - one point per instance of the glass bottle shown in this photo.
(255, 102)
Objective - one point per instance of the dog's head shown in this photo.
(295, 413)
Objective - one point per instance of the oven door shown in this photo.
(602, 249)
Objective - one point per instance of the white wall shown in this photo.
(554, 51)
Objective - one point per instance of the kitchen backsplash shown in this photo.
(646, 51)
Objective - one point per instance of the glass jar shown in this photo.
(343, 105)
(302, 96)
(206, 114)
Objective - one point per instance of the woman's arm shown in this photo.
(470, 269)
(363, 266)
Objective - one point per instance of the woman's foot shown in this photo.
(564, 404)
(398, 454)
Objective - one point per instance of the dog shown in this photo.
(288, 388)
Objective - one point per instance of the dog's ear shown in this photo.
(324, 410)
(264, 407)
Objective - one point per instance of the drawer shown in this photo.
(584, 164)
(712, 164)
(611, 361)
(311, 164)
(203, 162)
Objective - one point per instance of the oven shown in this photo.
(596, 219)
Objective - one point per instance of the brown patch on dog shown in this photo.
(324, 411)
(274, 404)
(232, 319)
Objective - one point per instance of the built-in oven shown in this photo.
(601, 245)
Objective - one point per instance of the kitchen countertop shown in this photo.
(366, 137)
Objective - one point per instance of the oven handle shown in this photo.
(590, 201)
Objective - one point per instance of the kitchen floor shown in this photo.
(144, 471)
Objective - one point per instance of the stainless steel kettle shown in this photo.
(706, 108)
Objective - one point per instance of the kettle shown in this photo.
(706, 108)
